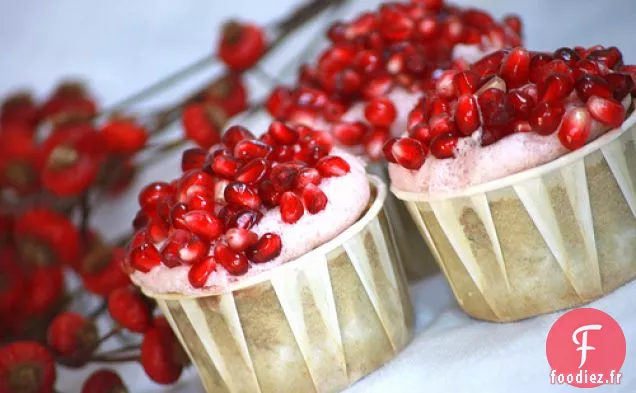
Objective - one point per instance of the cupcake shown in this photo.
(372, 73)
(273, 262)
(520, 174)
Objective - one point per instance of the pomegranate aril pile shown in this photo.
(204, 219)
(401, 45)
(513, 91)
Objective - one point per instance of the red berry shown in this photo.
(607, 111)
(200, 271)
(332, 166)
(161, 355)
(267, 248)
(229, 93)
(12, 283)
(104, 381)
(241, 194)
(349, 134)
(203, 122)
(101, 270)
(26, 366)
(153, 193)
(20, 162)
(194, 158)
(234, 135)
(124, 136)
(224, 166)
(575, 129)
(546, 117)
(71, 333)
(241, 46)
(128, 309)
(621, 85)
(380, 112)
(234, 262)
(467, 114)
(409, 153)
(314, 198)
(291, 207)
(279, 103)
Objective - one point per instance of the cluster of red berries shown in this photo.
(513, 91)
(205, 217)
(402, 45)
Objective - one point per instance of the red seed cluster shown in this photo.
(204, 218)
(514, 91)
(400, 45)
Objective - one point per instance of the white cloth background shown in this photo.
(120, 46)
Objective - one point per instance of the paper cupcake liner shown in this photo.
(413, 253)
(316, 324)
(553, 237)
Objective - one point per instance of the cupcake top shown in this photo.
(365, 82)
(510, 111)
(245, 207)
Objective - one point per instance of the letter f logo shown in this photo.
(584, 348)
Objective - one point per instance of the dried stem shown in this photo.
(120, 351)
(120, 359)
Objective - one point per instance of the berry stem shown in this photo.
(118, 359)
(85, 209)
(265, 77)
(120, 351)
(99, 310)
(107, 336)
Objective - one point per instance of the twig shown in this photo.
(122, 359)
(119, 351)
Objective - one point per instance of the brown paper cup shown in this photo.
(553, 237)
(412, 252)
(316, 324)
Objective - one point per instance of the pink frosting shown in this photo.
(474, 164)
(348, 197)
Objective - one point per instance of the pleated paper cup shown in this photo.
(412, 252)
(315, 324)
(550, 238)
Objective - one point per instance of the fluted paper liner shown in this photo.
(550, 238)
(316, 324)
(412, 252)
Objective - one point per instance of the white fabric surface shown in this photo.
(121, 46)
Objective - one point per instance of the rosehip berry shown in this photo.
(104, 381)
(161, 355)
(129, 309)
(203, 124)
(71, 333)
(380, 112)
(124, 136)
(241, 46)
(26, 366)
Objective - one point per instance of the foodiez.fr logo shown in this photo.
(586, 348)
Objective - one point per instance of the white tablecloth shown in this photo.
(121, 46)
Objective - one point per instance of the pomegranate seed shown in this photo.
(332, 166)
(145, 257)
(521, 103)
(422, 133)
(466, 82)
(515, 68)
(279, 102)
(467, 114)
(477, 18)
(307, 176)
(234, 135)
(282, 134)
(445, 85)
(374, 143)
(283, 153)
(442, 124)
(183, 247)
(247, 150)
(244, 219)
(558, 66)
(387, 149)
(575, 129)
(378, 87)
(555, 87)
(514, 23)
(453, 29)
(291, 207)
(203, 224)
(349, 134)
(592, 85)
(443, 146)
(489, 65)
(252, 172)
(315, 200)
(283, 176)
(193, 182)
(193, 159)
(380, 112)
(267, 248)
(241, 194)
(157, 231)
(153, 193)
(268, 193)
(395, 25)
(538, 61)
(583, 67)
(202, 201)
(610, 57)
(521, 126)
(569, 56)
(546, 117)
(240, 239)
(224, 166)
(176, 215)
(621, 85)
(268, 139)
(409, 153)
(234, 262)
(418, 115)
(495, 109)
(440, 106)
(607, 111)
(200, 271)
